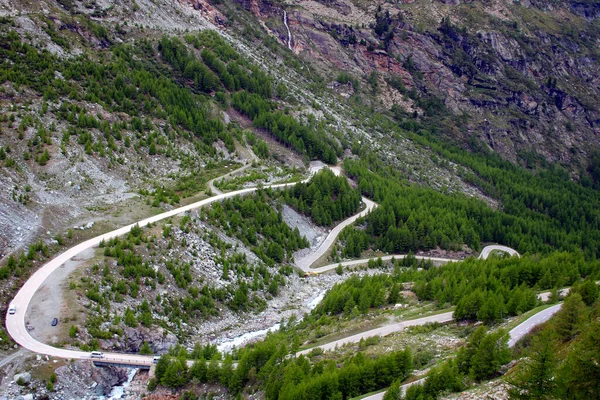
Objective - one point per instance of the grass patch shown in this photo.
(369, 325)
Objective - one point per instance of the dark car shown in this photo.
(54, 321)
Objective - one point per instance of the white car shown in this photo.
(12, 309)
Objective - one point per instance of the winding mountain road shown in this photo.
(382, 331)
(514, 336)
(353, 263)
(305, 263)
(211, 184)
(496, 247)
(485, 253)
(15, 323)
(526, 326)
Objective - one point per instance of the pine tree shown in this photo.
(145, 349)
(535, 376)
(579, 376)
(569, 319)
(161, 367)
(394, 392)
(176, 375)
(491, 354)
(466, 354)
(212, 374)
(130, 319)
(199, 369)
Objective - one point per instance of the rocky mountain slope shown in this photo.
(520, 77)
(111, 110)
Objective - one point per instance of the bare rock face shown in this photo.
(588, 10)
(534, 88)
(507, 48)
(77, 378)
(261, 8)
(207, 10)
(159, 339)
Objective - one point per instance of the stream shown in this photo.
(117, 392)
(227, 345)
(288, 29)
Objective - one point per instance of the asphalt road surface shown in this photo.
(15, 323)
(382, 331)
(436, 260)
(305, 263)
(488, 249)
(353, 263)
(514, 336)
(248, 164)
(379, 396)
(524, 327)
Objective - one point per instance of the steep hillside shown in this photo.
(459, 125)
(520, 77)
(73, 148)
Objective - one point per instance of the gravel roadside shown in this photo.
(49, 302)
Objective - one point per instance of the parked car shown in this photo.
(54, 321)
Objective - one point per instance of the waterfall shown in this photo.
(288, 29)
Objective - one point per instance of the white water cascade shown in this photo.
(118, 392)
(288, 29)
(227, 345)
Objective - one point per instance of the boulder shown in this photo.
(25, 377)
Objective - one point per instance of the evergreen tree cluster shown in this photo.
(221, 69)
(128, 273)
(360, 293)
(284, 127)
(560, 359)
(124, 79)
(411, 218)
(326, 198)
(266, 364)
(358, 375)
(540, 210)
(20, 264)
(486, 290)
(251, 91)
(480, 359)
(254, 221)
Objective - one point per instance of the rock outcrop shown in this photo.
(160, 340)
(82, 376)
(535, 82)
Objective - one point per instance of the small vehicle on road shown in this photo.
(155, 359)
(97, 354)
(12, 309)
(54, 321)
